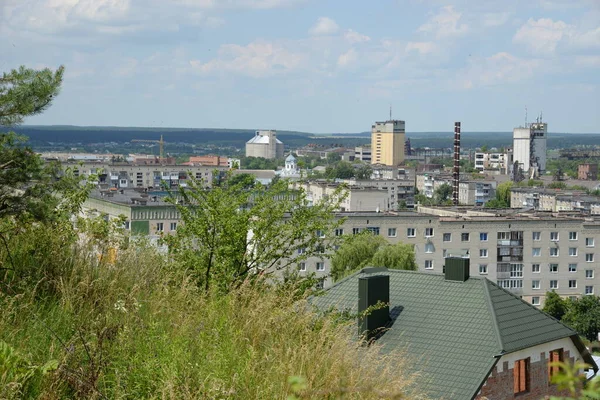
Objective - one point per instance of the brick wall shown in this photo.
(500, 385)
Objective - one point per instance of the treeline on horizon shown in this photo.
(238, 137)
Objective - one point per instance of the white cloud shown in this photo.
(324, 26)
(587, 61)
(491, 20)
(544, 36)
(348, 58)
(501, 68)
(355, 37)
(420, 47)
(446, 23)
(257, 59)
(127, 68)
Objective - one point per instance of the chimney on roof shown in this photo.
(373, 290)
(457, 269)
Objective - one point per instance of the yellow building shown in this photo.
(387, 143)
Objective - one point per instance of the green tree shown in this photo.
(555, 305)
(484, 148)
(583, 315)
(333, 157)
(395, 256)
(557, 185)
(230, 234)
(244, 180)
(364, 172)
(341, 170)
(355, 252)
(442, 193)
(502, 196)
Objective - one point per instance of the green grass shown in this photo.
(139, 329)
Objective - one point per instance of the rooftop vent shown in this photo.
(371, 291)
(457, 269)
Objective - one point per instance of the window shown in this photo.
(503, 235)
(589, 242)
(483, 236)
(589, 257)
(483, 253)
(464, 237)
(553, 251)
(555, 356)
(536, 252)
(572, 267)
(589, 290)
(483, 269)
(411, 232)
(553, 284)
(428, 232)
(573, 251)
(572, 284)
(301, 250)
(356, 231)
(516, 270)
(320, 266)
(572, 235)
(521, 376)
(339, 232)
(535, 300)
(160, 227)
(554, 268)
(173, 226)
(320, 249)
(589, 273)
(537, 236)
(447, 237)
(428, 264)
(535, 284)
(392, 232)
(554, 236)
(429, 248)
(302, 266)
(373, 229)
(320, 234)
(535, 268)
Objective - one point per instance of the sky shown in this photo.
(320, 66)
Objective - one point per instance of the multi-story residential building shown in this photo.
(476, 192)
(128, 175)
(554, 200)
(363, 153)
(587, 171)
(387, 142)
(264, 144)
(529, 147)
(527, 255)
(500, 163)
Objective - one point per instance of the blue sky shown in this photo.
(313, 65)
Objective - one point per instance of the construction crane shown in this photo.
(161, 143)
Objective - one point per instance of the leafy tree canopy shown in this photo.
(555, 305)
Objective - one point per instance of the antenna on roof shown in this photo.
(390, 112)
(540, 116)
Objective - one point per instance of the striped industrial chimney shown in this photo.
(456, 171)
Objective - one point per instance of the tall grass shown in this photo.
(138, 329)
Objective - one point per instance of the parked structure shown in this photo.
(264, 144)
(387, 142)
(494, 345)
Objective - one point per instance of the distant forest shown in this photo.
(40, 135)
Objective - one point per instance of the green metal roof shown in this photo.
(452, 331)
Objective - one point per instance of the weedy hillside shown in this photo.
(73, 326)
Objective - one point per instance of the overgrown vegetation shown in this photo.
(581, 314)
(87, 313)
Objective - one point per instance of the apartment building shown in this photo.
(554, 200)
(491, 162)
(387, 142)
(527, 254)
(470, 192)
(129, 175)
(363, 153)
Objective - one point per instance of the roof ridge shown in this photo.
(488, 298)
(535, 308)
